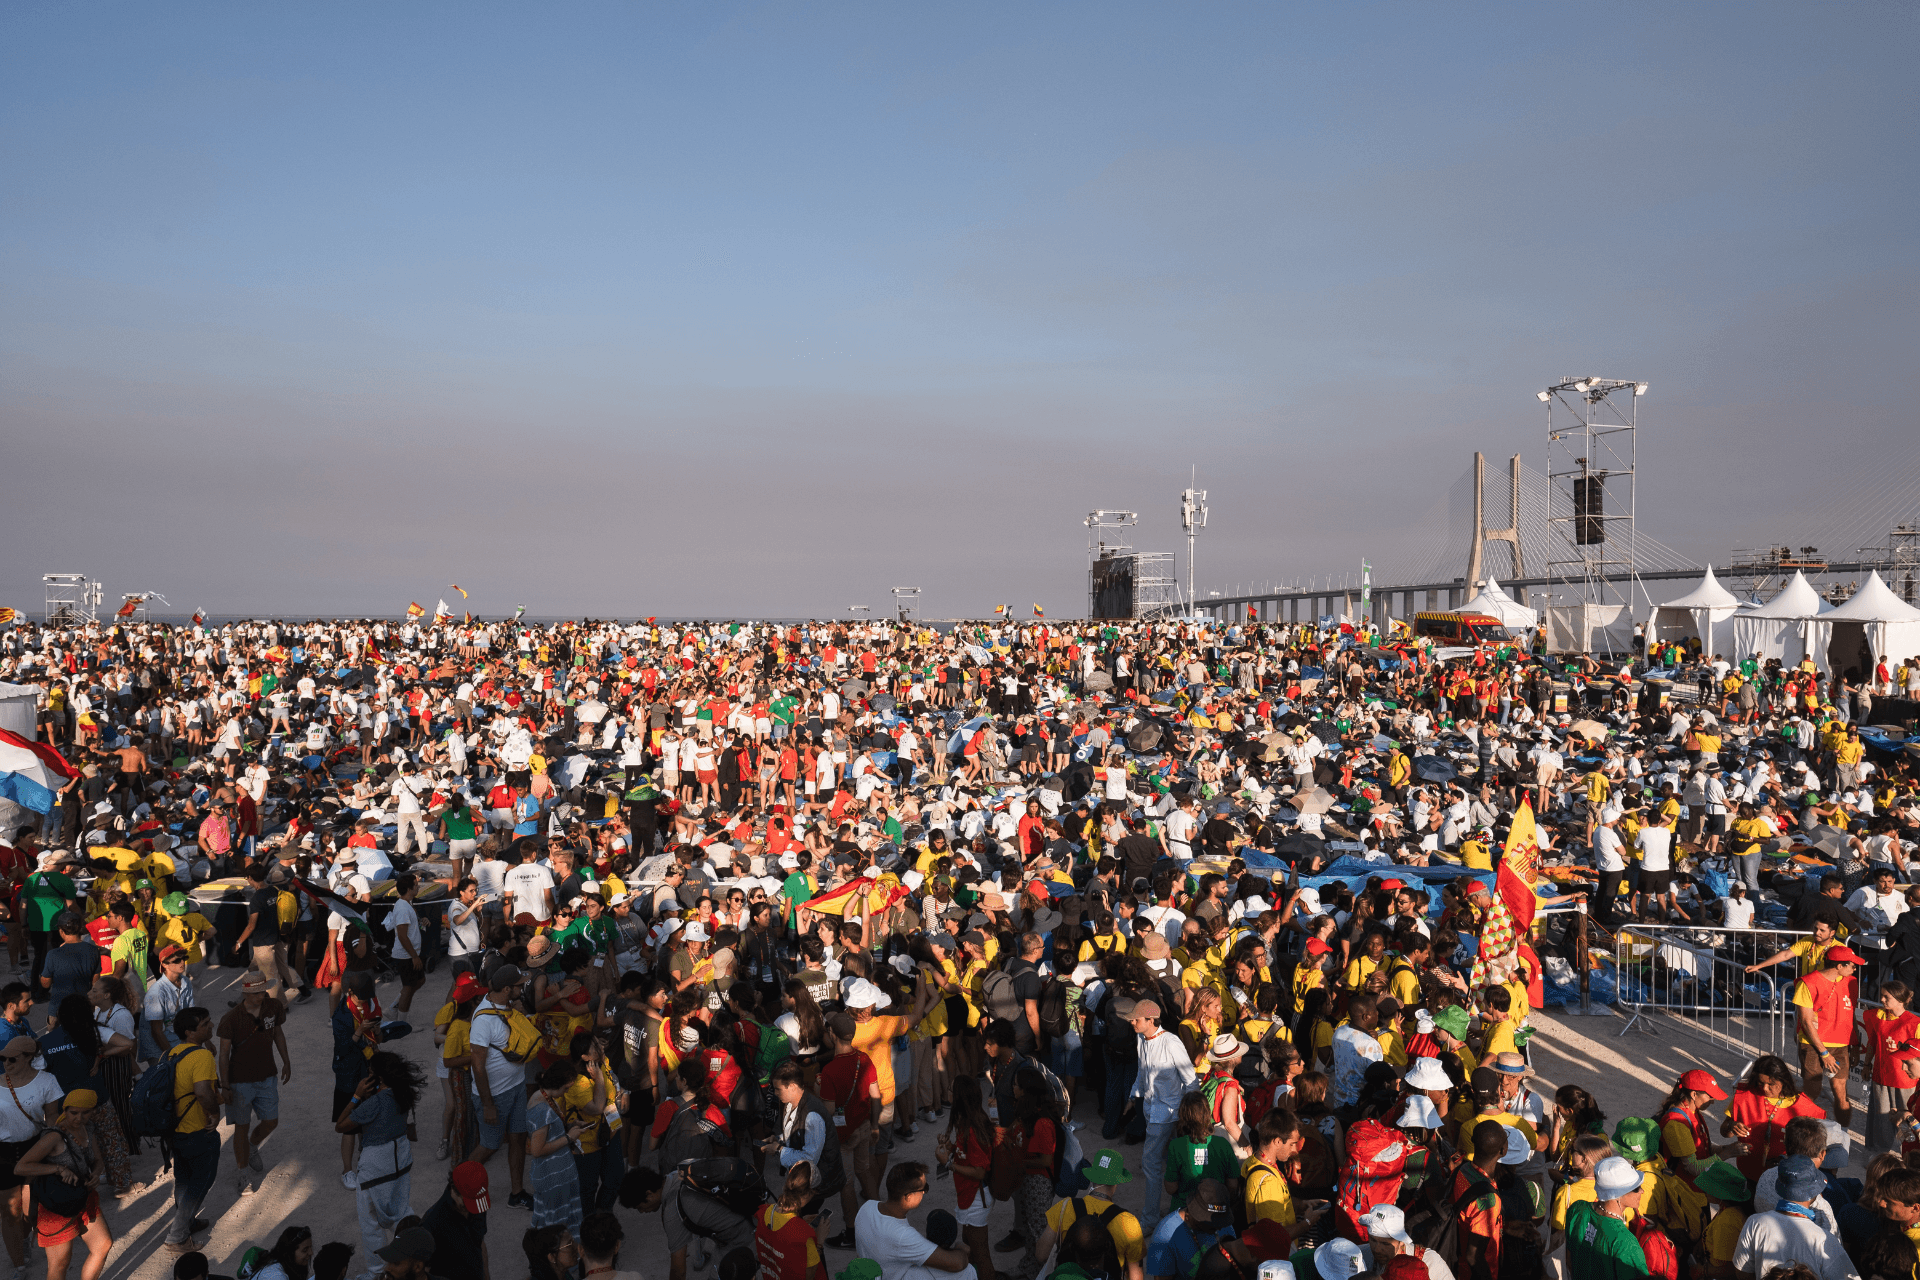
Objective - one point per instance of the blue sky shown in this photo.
(763, 309)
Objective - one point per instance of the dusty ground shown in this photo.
(1628, 1075)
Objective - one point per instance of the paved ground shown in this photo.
(1628, 1075)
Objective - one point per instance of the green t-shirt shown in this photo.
(1189, 1161)
(46, 895)
(459, 824)
(135, 948)
(1601, 1248)
(595, 934)
(797, 889)
(781, 709)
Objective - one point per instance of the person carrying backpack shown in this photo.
(65, 1166)
(194, 1107)
(1125, 1249)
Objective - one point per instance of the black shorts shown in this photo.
(1716, 824)
(412, 973)
(1655, 881)
(10, 1153)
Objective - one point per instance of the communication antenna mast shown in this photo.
(1098, 522)
(1193, 518)
(904, 601)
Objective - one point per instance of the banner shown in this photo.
(1520, 866)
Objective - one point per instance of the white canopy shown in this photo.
(1873, 624)
(1498, 604)
(1781, 628)
(1699, 612)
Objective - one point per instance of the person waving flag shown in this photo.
(415, 611)
(1038, 612)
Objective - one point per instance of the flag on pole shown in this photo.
(517, 612)
(442, 612)
(1038, 612)
(416, 610)
(1520, 866)
(457, 587)
(334, 902)
(651, 620)
(7, 616)
(127, 608)
(199, 616)
(1002, 608)
(469, 618)
(1253, 614)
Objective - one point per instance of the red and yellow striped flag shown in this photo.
(415, 611)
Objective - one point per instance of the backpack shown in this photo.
(732, 1183)
(1108, 1263)
(55, 1194)
(775, 1048)
(523, 1038)
(152, 1104)
(1313, 1167)
(1053, 1008)
(1376, 1164)
(996, 990)
(1433, 1220)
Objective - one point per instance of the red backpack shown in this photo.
(1376, 1162)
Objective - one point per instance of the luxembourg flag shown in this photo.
(32, 773)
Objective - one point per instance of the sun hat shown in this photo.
(1427, 1073)
(1107, 1169)
(1226, 1048)
(862, 995)
(1387, 1221)
(415, 1244)
(1510, 1064)
(1614, 1178)
(1145, 1009)
(1154, 945)
(1723, 1181)
(1279, 1269)
(1518, 1148)
(1419, 1113)
(255, 982)
(696, 932)
(1339, 1259)
(1636, 1138)
(1212, 1194)
(1799, 1180)
(1452, 1020)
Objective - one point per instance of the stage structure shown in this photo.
(1133, 585)
(72, 599)
(906, 602)
(1098, 548)
(1592, 454)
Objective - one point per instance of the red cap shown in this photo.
(1315, 947)
(1705, 1083)
(1842, 955)
(1476, 886)
(1393, 884)
(466, 987)
(470, 1184)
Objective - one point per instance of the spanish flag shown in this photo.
(881, 893)
(457, 587)
(469, 618)
(1038, 612)
(1520, 866)
(415, 611)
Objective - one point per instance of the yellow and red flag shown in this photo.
(457, 587)
(1001, 608)
(1038, 612)
(414, 610)
(1520, 866)
(127, 608)
(880, 894)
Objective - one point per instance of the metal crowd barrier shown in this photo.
(1698, 977)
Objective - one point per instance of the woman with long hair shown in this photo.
(1574, 1112)
(966, 1148)
(812, 1027)
(1196, 1151)
(381, 1113)
(291, 1257)
(553, 1176)
(69, 1206)
(113, 1078)
(1762, 1105)
(780, 1231)
(1036, 1134)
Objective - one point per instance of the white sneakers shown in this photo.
(350, 1180)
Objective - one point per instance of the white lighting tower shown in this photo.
(1098, 522)
(1193, 518)
(904, 601)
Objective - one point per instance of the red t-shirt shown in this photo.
(1044, 1141)
(974, 1153)
(847, 1082)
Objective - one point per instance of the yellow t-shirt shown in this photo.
(1403, 984)
(1571, 1194)
(1812, 956)
(184, 931)
(1128, 1240)
(1499, 1040)
(1392, 1047)
(575, 1105)
(1723, 1233)
(459, 1039)
(1359, 969)
(194, 1068)
(1476, 855)
(1268, 1197)
(1498, 1117)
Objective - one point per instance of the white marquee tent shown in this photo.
(1781, 628)
(1513, 615)
(1701, 612)
(1873, 624)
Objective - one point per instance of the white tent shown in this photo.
(1697, 613)
(1781, 628)
(1513, 615)
(1589, 627)
(1873, 624)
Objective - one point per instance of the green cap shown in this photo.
(1636, 1138)
(1453, 1021)
(1108, 1169)
(860, 1269)
(176, 903)
(1723, 1182)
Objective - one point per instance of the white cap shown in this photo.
(1386, 1221)
(1613, 1178)
(696, 932)
(862, 995)
(1427, 1073)
(1419, 1113)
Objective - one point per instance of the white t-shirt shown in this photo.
(1655, 844)
(1180, 828)
(489, 1035)
(528, 883)
(894, 1243)
(1771, 1239)
(403, 913)
(1608, 852)
(1739, 913)
(490, 874)
(35, 1094)
(463, 937)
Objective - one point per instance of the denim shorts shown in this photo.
(511, 1107)
(261, 1097)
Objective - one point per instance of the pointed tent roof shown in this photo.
(1706, 594)
(1874, 602)
(1797, 599)
(1495, 601)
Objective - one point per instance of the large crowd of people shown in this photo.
(711, 921)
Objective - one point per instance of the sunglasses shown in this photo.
(16, 1057)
